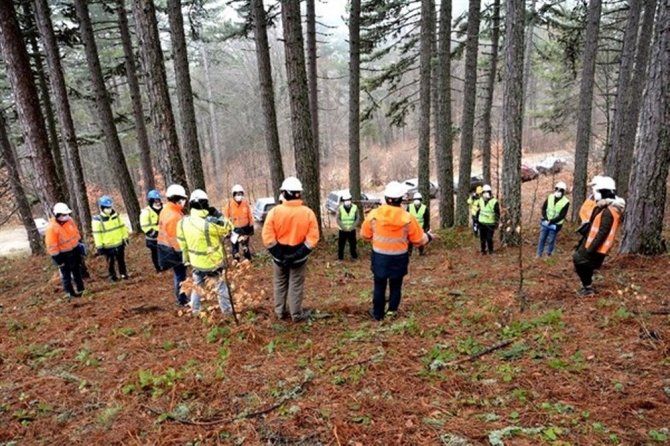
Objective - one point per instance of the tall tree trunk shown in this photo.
(585, 106)
(189, 130)
(215, 149)
(528, 59)
(312, 73)
(643, 226)
(75, 170)
(634, 100)
(513, 128)
(444, 148)
(488, 100)
(425, 71)
(22, 203)
(468, 121)
(113, 147)
(306, 155)
(135, 97)
(28, 105)
(267, 95)
(165, 131)
(355, 99)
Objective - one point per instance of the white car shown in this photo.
(261, 208)
(412, 186)
(41, 225)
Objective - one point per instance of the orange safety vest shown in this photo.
(238, 213)
(291, 224)
(586, 210)
(61, 237)
(391, 229)
(595, 227)
(167, 225)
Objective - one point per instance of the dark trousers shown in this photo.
(379, 296)
(586, 264)
(154, 257)
(179, 276)
(585, 273)
(71, 272)
(345, 237)
(486, 237)
(114, 256)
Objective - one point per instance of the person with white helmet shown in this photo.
(149, 224)
(603, 225)
(554, 212)
(587, 207)
(169, 251)
(238, 212)
(110, 235)
(62, 240)
(348, 218)
(290, 233)
(421, 212)
(391, 229)
(200, 237)
(488, 216)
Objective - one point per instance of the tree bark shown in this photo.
(215, 149)
(22, 203)
(113, 147)
(444, 148)
(468, 121)
(355, 99)
(135, 97)
(312, 73)
(75, 170)
(189, 129)
(28, 105)
(585, 106)
(425, 72)
(165, 131)
(513, 99)
(267, 95)
(528, 59)
(488, 100)
(643, 226)
(306, 155)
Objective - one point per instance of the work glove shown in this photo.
(214, 212)
(152, 234)
(82, 249)
(302, 252)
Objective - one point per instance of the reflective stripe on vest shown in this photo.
(201, 260)
(487, 214)
(149, 221)
(109, 234)
(595, 227)
(61, 238)
(348, 219)
(554, 207)
(418, 214)
(389, 245)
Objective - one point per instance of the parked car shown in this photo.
(551, 165)
(261, 208)
(475, 180)
(412, 186)
(334, 199)
(528, 173)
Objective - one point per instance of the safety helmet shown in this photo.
(561, 185)
(418, 196)
(105, 202)
(291, 184)
(595, 180)
(153, 195)
(198, 195)
(479, 190)
(237, 189)
(61, 209)
(175, 190)
(605, 183)
(394, 190)
(346, 196)
(486, 188)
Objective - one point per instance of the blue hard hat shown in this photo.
(153, 195)
(105, 202)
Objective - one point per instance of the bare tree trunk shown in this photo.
(28, 105)
(355, 99)
(585, 106)
(189, 130)
(643, 226)
(75, 170)
(528, 58)
(425, 71)
(135, 97)
(443, 150)
(115, 154)
(165, 131)
(22, 204)
(306, 155)
(488, 100)
(513, 128)
(468, 121)
(215, 150)
(267, 95)
(312, 73)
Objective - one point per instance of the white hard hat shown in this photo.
(595, 180)
(198, 195)
(291, 184)
(237, 189)
(394, 190)
(61, 208)
(418, 196)
(175, 190)
(561, 185)
(486, 188)
(605, 183)
(346, 196)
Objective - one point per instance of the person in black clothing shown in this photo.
(348, 218)
(421, 212)
(488, 216)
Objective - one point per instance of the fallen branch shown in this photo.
(660, 311)
(481, 353)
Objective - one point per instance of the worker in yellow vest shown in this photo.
(488, 216)
(149, 225)
(554, 211)
(604, 222)
(422, 214)
(473, 207)
(348, 218)
(111, 237)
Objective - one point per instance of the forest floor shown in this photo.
(121, 366)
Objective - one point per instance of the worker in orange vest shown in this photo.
(238, 212)
(391, 229)
(63, 242)
(169, 251)
(603, 225)
(587, 208)
(290, 233)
